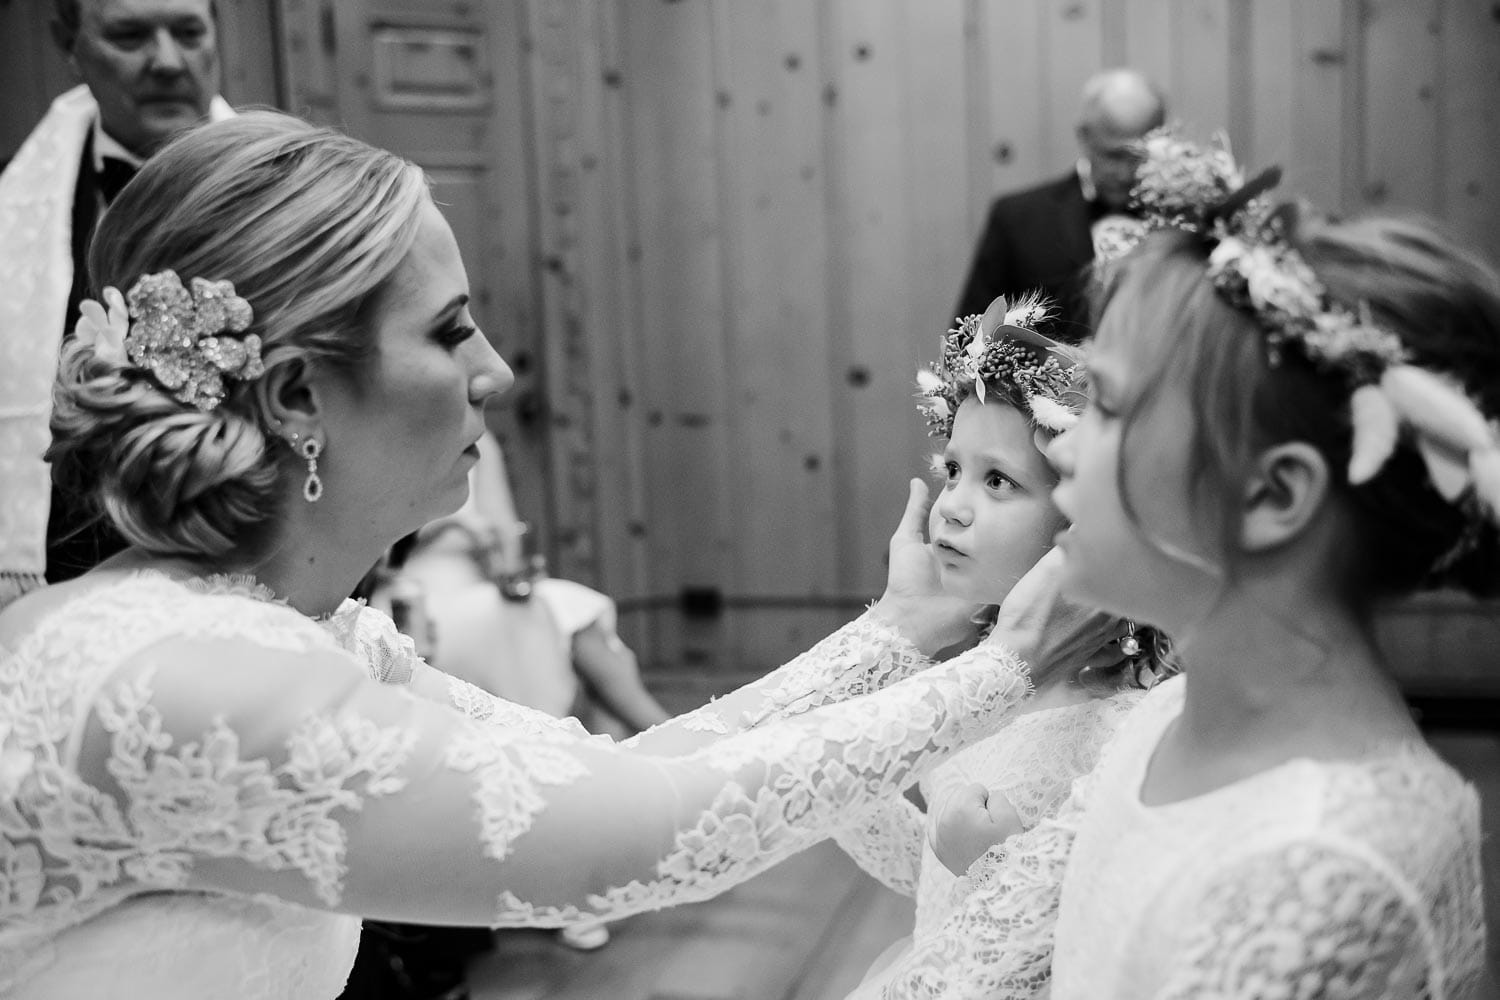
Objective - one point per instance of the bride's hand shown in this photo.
(914, 601)
(1046, 629)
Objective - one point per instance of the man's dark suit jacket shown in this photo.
(1036, 239)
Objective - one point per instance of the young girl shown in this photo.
(1309, 409)
(998, 395)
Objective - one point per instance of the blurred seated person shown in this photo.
(500, 623)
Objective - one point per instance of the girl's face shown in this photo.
(1116, 562)
(402, 440)
(994, 517)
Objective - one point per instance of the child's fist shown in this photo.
(968, 822)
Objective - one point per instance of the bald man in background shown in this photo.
(1045, 237)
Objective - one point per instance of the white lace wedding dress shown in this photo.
(1033, 761)
(1349, 880)
(202, 791)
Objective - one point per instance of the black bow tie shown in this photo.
(113, 176)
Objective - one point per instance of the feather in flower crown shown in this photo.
(1254, 266)
(183, 339)
(1001, 352)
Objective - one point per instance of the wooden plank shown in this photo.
(769, 93)
(1149, 46)
(510, 310)
(610, 312)
(1072, 43)
(936, 179)
(248, 53)
(1013, 109)
(1271, 79)
(869, 270)
(1398, 110)
(1468, 195)
(1322, 61)
(667, 75)
(24, 48)
(1201, 56)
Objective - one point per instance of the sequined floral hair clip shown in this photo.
(189, 342)
(1255, 266)
(1000, 352)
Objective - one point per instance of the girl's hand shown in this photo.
(1046, 629)
(914, 601)
(968, 822)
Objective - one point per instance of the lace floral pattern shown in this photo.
(1347, 879)
(862, 657)
(205, 751)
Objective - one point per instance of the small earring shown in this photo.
(312, 487)
(1129, 644)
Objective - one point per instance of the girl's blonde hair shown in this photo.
(308, 224)
(1440, 299)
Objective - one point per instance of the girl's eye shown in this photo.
(454, 335)
(950, 471)
(999, 482)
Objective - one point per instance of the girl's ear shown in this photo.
(1283, 494)
(289, 399)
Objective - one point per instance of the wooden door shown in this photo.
(441, 83)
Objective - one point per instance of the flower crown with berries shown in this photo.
(182, 339)
(1254, 266)
(1001, 352)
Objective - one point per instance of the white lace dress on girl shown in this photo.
(201, 790)
(1033, 761)
(1342, 880)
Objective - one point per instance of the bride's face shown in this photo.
(401, 436)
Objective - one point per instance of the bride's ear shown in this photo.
(1284, 492)
(290, 399)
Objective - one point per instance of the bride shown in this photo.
(212, 765)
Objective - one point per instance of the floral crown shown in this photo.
(179, 337)
(1255, 267)
(1001, 352)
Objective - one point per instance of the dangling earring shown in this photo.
(312, 487)
(1129, 644)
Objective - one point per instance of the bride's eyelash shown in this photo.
(454, 335)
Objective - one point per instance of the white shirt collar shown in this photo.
(106, 145)
(1086, 179)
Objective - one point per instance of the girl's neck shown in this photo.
(1272, 673)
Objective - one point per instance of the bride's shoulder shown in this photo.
(142, 606)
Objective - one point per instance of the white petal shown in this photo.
(1376, 429)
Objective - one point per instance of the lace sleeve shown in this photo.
(390, 657)
(218, 765)
(997, 941)
(1305, 921)
(885, 839)
(865, 655)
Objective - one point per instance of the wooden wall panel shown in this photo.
(1203, 60)
(769, 92)
(1323, 135)
(719, 235)
(784, 203)
(1010, 141)
(676, 264)
(1399, 111)
(1468, 189)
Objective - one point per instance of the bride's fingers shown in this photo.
(914, 519)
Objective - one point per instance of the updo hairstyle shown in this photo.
(307, 223)
(1443, 303)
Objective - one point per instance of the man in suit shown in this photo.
(1044, 237)
(149, 68)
